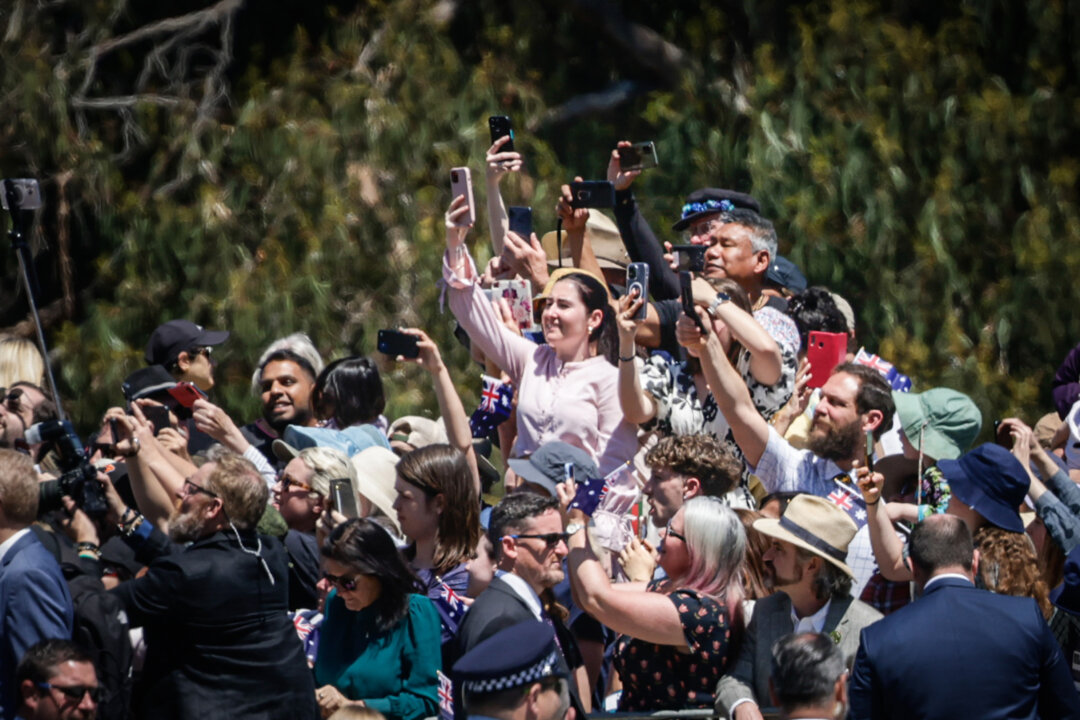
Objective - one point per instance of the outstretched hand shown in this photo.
(615, 174)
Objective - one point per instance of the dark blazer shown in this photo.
(770, 622)
(35, 605)
(961, 652)
(219, 641)
(500, 607)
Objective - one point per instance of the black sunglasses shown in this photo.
(75, 693)
(672, 533)
(191, 488)
(552, 540)
(345, 583)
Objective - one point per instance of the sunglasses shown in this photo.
(671, 533)
(347, 584)
(75, 693)
(287, 482)
(551, 540)
(207, 351)
(191, 488)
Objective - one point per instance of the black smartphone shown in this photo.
(870, 450)
(686, 294)
(637, 276)
(500, 127)
(520, 220)
(395, 342)
(592, 194)
(639, 156)
(689, 257)
(343, 498)
(158, 415)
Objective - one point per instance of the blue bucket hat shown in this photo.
(991, 481)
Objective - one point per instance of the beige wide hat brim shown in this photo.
(602, 233)
(816, 518)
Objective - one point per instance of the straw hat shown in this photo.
(815, 525)
(602, 233)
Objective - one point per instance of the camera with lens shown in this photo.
(78, 479)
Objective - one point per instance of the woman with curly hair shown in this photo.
(1008, 565)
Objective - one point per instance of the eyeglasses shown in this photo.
(671, 533)
(207, 351)
(287, 482)
(347, 584)
(191, 488)
(551, 540)
(701, 229)
(75, 693)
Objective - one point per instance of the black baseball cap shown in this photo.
(176, 336)
(709, 201)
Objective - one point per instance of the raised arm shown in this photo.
(155, 483)
(638, 238)
(498, 164)
(728, 389)
(573, 222)
(888, 550)
(450, 408)
(638, 406)
(766, 360)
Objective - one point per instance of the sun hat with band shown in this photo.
(947, 421)
(992, 482)
(815, 525)
(602, 233)
(709, 201)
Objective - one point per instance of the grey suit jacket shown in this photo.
(771, 621)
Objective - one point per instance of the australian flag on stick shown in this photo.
(848, 498)
(898, 381)
(496, 402)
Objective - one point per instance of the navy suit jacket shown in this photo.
(35, 605)
(961, 652)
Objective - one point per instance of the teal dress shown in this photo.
(392, 672)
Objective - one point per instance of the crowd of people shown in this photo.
(691, 507)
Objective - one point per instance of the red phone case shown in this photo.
(185, 393)
(824, 351)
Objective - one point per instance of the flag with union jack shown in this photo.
(496, 402)
(848, 498)
(446, 697)
(898, 381)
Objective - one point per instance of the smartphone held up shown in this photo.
(461, 184)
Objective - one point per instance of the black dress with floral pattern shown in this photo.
(660, 677)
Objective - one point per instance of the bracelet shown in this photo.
(90, 555)
(128, 516)
(87, 546)
(127, 528)
(629, 358)
(137, 445)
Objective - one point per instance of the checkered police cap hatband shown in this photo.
(534, 673)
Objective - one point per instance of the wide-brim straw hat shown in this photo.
(815, 525)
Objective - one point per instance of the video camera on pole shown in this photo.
(20, 197)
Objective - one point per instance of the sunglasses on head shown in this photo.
(75, 693)
(552, 540)
(345, 583)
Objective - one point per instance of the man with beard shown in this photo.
(807, 555)
(57, 681)
(219, 642)
(284, 380)
(855, 401)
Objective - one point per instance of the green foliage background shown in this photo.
(920, 160)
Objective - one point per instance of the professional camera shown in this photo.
(79, 478)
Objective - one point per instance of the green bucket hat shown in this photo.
(949, 421)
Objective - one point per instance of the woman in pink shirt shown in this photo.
(567, 389)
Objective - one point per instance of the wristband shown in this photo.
(87, 546)
(628, 358)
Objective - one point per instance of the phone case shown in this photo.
(686, 295)
(518, 295)
(592, 194)
(185, 393)
(520, 220)
(461, 184)
(395, 342)
(500, 126)
(341, 493)
(639, 156)
(689, 257)
(637, 276)
(824, 351)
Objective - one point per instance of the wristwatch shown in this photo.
(574, 527)
(721, 298)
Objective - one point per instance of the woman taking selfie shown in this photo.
(680, 634)
(566, 388)
(379, 643)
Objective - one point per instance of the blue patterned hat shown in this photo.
(709, 201)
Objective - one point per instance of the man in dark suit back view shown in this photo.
(959, 652)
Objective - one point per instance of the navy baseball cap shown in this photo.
(172, 338)
(709, 201)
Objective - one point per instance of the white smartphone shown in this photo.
(461, 184)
